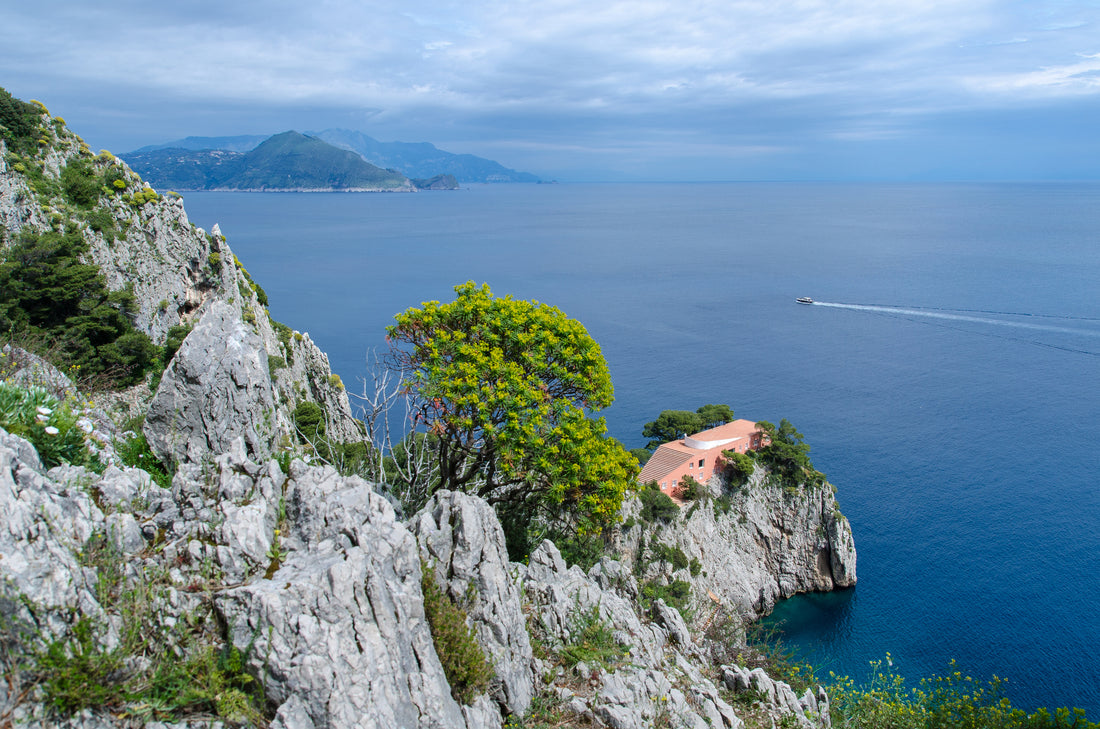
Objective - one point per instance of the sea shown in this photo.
(947, 377)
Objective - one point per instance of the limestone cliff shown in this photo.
(747, 546)
(309, 579)
(270, 592)
(179, 274)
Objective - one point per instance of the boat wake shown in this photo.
(915, 313)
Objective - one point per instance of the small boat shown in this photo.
(804, 300)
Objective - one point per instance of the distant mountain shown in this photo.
(239, 143)
(287, 161)
(422, 159)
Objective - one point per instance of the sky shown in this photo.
(646, 90)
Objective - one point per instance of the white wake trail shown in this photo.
(901, 311)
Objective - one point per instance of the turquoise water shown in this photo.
(947, 383)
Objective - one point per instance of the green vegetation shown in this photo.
(739, 466)
(20, 124)
(787, 456)
(593, 642)
(134, 451)
(48, 295)
(464, 663)
(185, 670)
(80, 182)
(952, 701)
(692, 490)
(673, 424)
(309, 419)
(584, 550)
(505, 387)
(676, 594)
(671, 554)
(50, 425)
(656, 504)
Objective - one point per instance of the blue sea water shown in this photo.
(954, 404)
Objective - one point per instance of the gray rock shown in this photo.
(459, 535)
(125, 532)
(770, 544)
(778, 698)
(674, 623)
(340, 627)
(215, 390)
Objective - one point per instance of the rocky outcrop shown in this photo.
(339, 626)
(215, 390)
(306, 583)
(317, 584)
(177, 272)
(652, 679)
(759, 543)
(460, 537)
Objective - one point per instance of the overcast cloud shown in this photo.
(842, 89)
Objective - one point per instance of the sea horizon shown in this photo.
(977, 536)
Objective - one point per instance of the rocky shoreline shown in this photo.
(293, 594)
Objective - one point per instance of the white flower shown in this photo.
(50, 430)
(85, 425)
(41, 418)
(43, 410)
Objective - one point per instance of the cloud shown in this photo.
(1080, 78)
(732, 73)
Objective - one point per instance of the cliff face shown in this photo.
(312, 582)
(180, 273)
(760, 543)
(284, 594)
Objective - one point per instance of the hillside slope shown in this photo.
(233, 579)
(284, 162)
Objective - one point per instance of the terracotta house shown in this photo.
(698, 455)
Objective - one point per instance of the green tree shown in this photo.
(671, 425)
(506, 386)
(674, 424)
(48, 294)
(787, 455)
(714, 415)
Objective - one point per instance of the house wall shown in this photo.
(710, 458)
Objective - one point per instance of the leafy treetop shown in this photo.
(19, 122)
(504, 388)
(673, 424)
(48, 295)
(787, 455)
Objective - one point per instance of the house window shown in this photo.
(701, 460)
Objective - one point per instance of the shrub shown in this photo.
(19, 122)
(464, 663)
(47, 294)
(739, 466)
(671, 554)
(953, 701)
(593, 642)
(134, 451)
(309, 419)
(675, 594)
(692, 490)
(656, 505)
(50, 425)
(80, 183)
(101, 221)
(584, 550)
